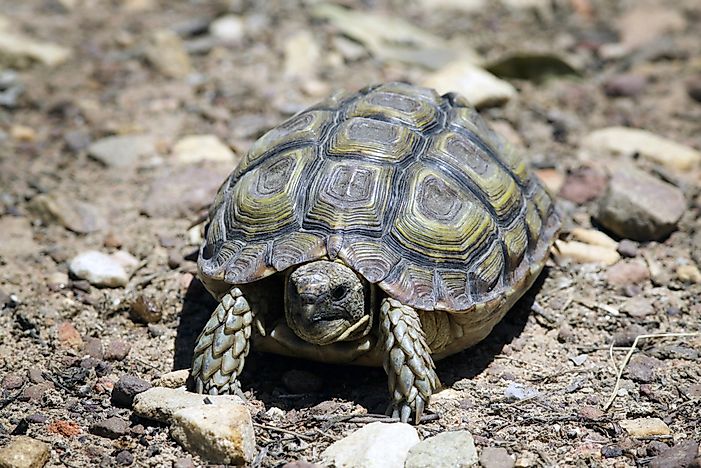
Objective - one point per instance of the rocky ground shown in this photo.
(119, 119)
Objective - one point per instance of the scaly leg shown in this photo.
(407, 360)
(222, 346)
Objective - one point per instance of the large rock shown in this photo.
(479, 86)
(220, 433)
(123, 151)
(24, 452)
(160, 403)
(628, 141)
(377, 445)
(99, 269)
(639, 206)
(445, 450)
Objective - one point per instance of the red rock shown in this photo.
(64, 428)
(583, 184)
(627, 272)
(68, 335)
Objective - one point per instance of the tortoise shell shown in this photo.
(410, 189)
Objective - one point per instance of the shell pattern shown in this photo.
(410, 189)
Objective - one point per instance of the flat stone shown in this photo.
(218, 433)
(196, 148)
(645, 427)
(517, 391)
(123, 151)
(160, 403)
(173, 379)
(11, 381)
(22, 50)
(110, 428)
(117, 350)
(481, 88)
(126, 389)
(93, 348)
(638, 307)
(444, 450)
(24, 452)
(228, 28)
(496, 457)
(639, 206)
(99, 269)
(684, 454)
(376, 445)
(166, 197)
(629, 141)
(624, 273)
(642, 368)
(75, 215)
(625, 84)
(68, 335)
(166, 52)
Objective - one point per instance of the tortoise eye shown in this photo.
(339, 292)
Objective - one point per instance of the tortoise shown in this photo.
(388, 227)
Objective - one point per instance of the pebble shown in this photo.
(166, 197)
(641, 368)
(68, 335)
(20, 49)
(35, 393)
(75, 215)
(110, 428)
(196, 148)
(645, 427)
(166, 52)
(174, 379)
(99, 269)
(24, 452)
(583, 185)
(124, 457)
(689, 274)
(227, 28)
(496, 457)
(117, 350)
(144, 310)
(376, 445)
(627, 248)
(218, 433)
(57, 280)
(184, 463)
(123, 151)
(444, 450)
(298, 381)
(627, 336)
(629, 141)
(11, 381)
(65, 428)
(593, 237)
(638, 307)
(586, 253)
(301, 55)
(639, 206)
(517, 391)
(481, 88)
(126, 388)
(77, 140)
(591, 413)
(656, 447)
(611, 451)
(685, 454)
(626, 84)
(552, 179)
(627, 272)
(160, 403)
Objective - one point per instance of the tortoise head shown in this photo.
(327, 302)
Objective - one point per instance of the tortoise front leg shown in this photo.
(222, 346)
(407, 360)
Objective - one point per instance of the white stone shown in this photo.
(586, 253)
(160, 403)
(19, 46)
(127, 260)
(123, 150)
(99, 269)
(175, 379)
(196, 148)
(628, 141)
(645, 427)
(479, 86)
(228, 28)
(377, 445)
(445, 450)
(24, 452)
(301, 55)
(218, 433)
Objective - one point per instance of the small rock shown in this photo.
(645, 427)
(590, 413)
(174, 260)
(611, 451)
(552, 179)
(124, 457)
(627, 336)
(629, 141)
(228, 28)
(517, 391)
(629, 272)
(444, 450)
(126, 260)
(24, 452)
(586, 253)
(11, 381)
(166, 198)
(159, 403)
(638, 307)
(57, 280)
(593, 237)
(68, 335)
(301, 55)
(123, 151)
(77, 140)
(111, 428)
(93, 348)
(197, 148)
(579, 359)
(376, 445)
(642, 368)
(64, 428)
(481, 88)
(184, 463)
(18, 49)
(78, 216)
(126, 388)
(298, 381)
(99, 268)
(628, 248)
(144, 310)
(496, 457)
(34, 393)
(218, 433)
(166, 52)
(174, 379)
(656, 447)
(689, 274)
(627, 84)
(641, 207)
(117, 350)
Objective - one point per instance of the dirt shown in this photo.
(538, 386)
